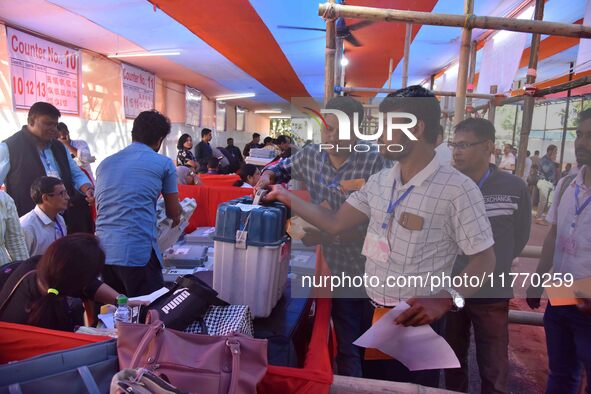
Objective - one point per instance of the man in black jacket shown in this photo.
(203, 151)
(255, 143)
(508, 208)
(34, 151)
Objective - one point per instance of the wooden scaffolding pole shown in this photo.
(492, 108)
(349, 89)
(463, 64)
(406, 55)
(329, 56)
(390, 70)
(472, 22)
(529, 100)
(567, 109)
(471, 76)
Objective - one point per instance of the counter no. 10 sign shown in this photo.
(138, 90)
(43, 71)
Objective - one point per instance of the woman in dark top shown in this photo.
(185, 156)
(41, 290)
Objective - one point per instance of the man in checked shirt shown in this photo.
(330, 177)
(422, 213)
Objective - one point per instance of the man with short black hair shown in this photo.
(282, 142)
(422, 214)
(255, 143)
(203, 151)
(44, 224)
(126, 207)
(547, 178)
(79, 149)
(213, 166)
(508, 209)
(234, 151)
(566, 251)
(34, 151)
(330, 176)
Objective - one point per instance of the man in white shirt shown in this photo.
(44, 224)
(442, 150)
(566, 251)
(508, 160)
(421, 213)
(527, 168)
(79, 149)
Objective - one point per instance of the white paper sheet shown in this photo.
(247, 207)
(418, 348)
(150, 297)
(107, 319)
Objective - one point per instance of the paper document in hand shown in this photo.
(418, 348)
(150, 297)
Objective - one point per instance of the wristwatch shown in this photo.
(458, 302)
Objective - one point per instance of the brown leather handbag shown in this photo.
(194, 363)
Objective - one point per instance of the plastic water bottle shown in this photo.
(123, 312)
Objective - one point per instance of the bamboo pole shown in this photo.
(526, 317)
(492, 108)
(338, 69)
(329, 57)
(406, 54)
(349, 89)
(390, 69)
(432, 82)
(351, 385)
(473, 22)
(471, 74)
(463, 63)
(564, 86)
(567, 109)
(529, 101)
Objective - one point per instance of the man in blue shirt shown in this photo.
(127, 188)
(34, 151)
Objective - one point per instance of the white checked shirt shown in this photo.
(562, 213)
(40, 231)
(454, 222)
(12, 241)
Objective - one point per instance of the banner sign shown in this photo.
(43, 71)
(193, 99)
(138, 90)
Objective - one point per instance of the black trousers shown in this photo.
(135, 281)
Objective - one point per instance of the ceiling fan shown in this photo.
(343, 31)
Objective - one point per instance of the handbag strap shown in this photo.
(88, 380)
(234, 346)
(153, 330)
(5, 302)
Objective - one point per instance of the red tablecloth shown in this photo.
(19, 342)
(208, 198)
(219, 180)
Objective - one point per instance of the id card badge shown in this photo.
(569, 245)
(376, 247)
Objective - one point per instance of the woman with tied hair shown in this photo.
(185, 156)
(249, 176)
(41, 291)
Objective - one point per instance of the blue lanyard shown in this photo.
(578, 208)
(335, 184)
(59, 227)
(393, 204)
(484, 178)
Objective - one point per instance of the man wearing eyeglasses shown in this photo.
(422, 214)
(508, 208)
(34, 151)
(44, 224)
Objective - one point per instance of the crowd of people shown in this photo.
(433, 207)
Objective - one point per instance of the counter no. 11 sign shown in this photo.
(138, 90)
(42, 70)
